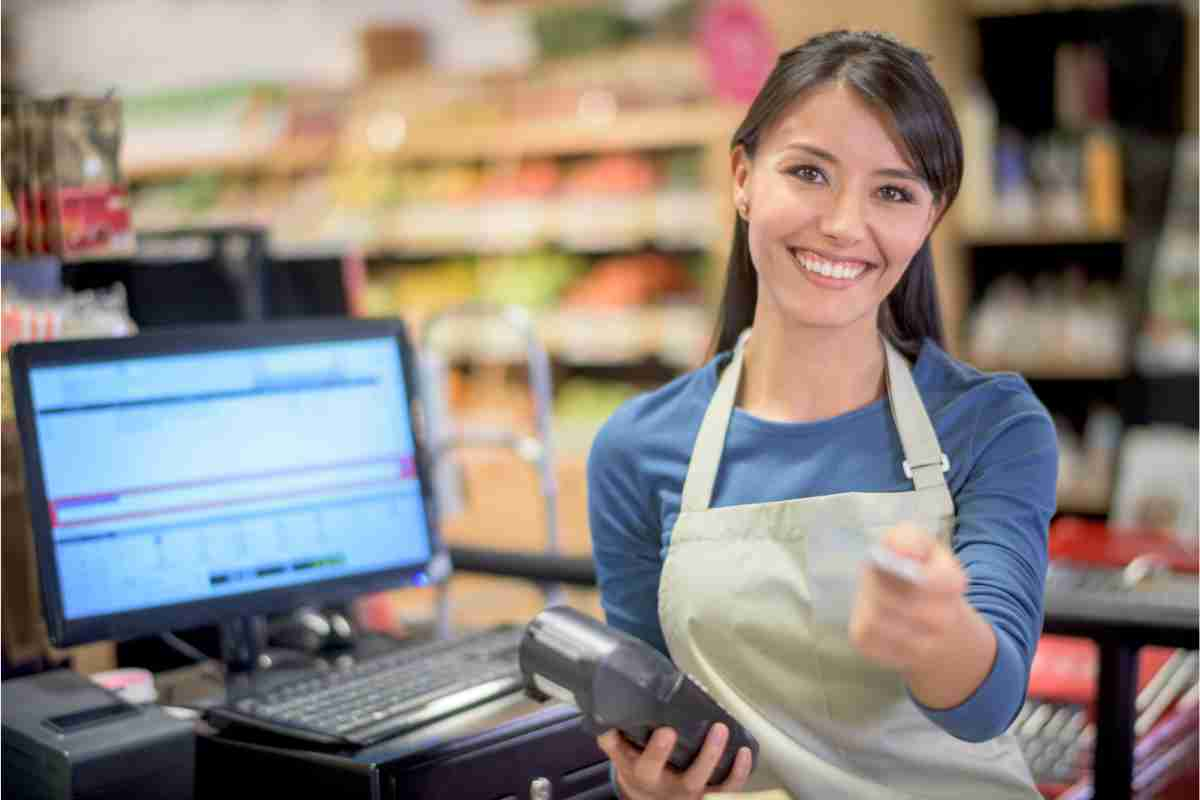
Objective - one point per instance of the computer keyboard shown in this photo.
(1104, 594)
(386, 695)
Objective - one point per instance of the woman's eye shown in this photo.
(808, 174)
(895, 194)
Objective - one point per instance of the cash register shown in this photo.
(217, 475)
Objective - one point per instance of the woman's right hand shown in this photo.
(646, 775)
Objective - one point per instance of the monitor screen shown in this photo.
(193, 479)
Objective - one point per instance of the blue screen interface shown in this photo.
(180, 478)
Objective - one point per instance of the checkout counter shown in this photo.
(510, 747)
(1086, 597)
(516, 747)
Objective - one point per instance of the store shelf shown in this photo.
(1057, 372)
(401, 253)
(1040, 237)
(1083, 503)
(1001, 8)
(398, 251)
(293, 159)
(649, 129)
(314, 250)
(672, 336)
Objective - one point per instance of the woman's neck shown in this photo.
(803, 374)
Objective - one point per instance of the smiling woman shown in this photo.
(861, 117)
(832, 192)
(835, 527)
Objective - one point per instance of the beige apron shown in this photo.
(743, 613)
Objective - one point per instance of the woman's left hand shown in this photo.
(905, 625)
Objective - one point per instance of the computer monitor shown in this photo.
(189, 477)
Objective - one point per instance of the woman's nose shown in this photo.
(843, 220)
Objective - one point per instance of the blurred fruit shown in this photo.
(528, 179)
(635, 280)
(589, 399)
(618, 174)
(534, 280)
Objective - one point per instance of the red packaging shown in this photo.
(88, 205)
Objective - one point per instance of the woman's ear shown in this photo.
(739, 162)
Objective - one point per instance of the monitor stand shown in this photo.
(243, 640)
(249, 665)
(303, 637)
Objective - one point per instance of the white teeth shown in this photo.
(827, 268)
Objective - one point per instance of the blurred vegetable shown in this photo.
(623, 281)
(534, 280)
(571, 30)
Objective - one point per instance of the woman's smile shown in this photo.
(830, 273)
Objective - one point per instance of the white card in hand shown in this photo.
(894, 564)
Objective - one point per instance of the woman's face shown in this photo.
(835, 211)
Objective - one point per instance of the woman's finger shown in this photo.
(620, 752)
(697, 775)
(624, 756)
(740, 772)
(608, 742)
(649, 767)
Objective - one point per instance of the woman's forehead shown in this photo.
(836, 118)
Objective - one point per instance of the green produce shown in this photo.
(571, 30)
(535, 280)
(590, 400)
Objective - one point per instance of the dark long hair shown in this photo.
(896, 80)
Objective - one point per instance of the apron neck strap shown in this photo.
(924, 461)
(710, 442)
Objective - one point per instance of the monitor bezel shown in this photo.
(123, 625)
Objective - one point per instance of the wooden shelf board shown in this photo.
(659, 128)
(1004, 8)
(1064, 372)
(1081, 504)
(179, 168)
(1039, 237)
(628, 130)
(298, 157)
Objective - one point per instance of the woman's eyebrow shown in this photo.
(902, 174)
(811, 150)
(825, 155)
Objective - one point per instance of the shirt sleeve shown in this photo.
(1004, 509)
(625, 535)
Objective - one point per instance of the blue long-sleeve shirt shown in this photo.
(1003, 467)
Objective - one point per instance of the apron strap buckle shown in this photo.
(908, 469)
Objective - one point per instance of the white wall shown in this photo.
(134, 46)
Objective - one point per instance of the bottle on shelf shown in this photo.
(1014, 190)
(1060, 326)
(1102, 176)
(1056, 167)
(976, 196)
